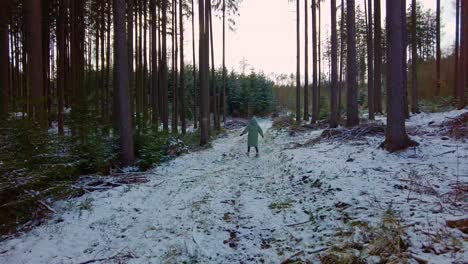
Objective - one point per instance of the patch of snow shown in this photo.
(220, 206)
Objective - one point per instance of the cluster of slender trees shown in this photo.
(396, 65)
(111, 60)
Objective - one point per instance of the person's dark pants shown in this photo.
(248, 149)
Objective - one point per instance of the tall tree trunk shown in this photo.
(315, 99)
(414, 60)
(144, 68)
(195, 93)
(463, 68)
(370, 63)
(108, 62)
(35, 59)
(131, 71)
(396, 137)
(46, 61)
(224, 64)
(378, 58)
(298, 64)
(457, 47)
(306, 62)
(174, 124)
(102, 86)
(154, 64)
(182, 70)
(61, 69)
(127, 155)
(216, 99)
(404, 39)
(342, 37)
(438, 51)
(4, 57)
(334, 68)
(204, 75)
(319, 56)
(351, 66)
(164, 84)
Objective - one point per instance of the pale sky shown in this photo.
(265, 34)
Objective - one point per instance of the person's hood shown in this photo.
(253, 121)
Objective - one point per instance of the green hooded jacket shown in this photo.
(253, 129)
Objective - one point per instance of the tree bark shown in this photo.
(396, 137)
(224, 64)
(315, 99)
(61, 69)
(370, 63)
(463, 68)
(4, 57)
(306, 62)
(175, 119)
(164, 84)
(457, 47)
(182, 70)
(203, 71)
(378, 58)
(298, 64)
(414, 60)
(195, 93)
(154, 66)
(334, 68)
(438, 51)
(351, 67)
(121, 85)
(35, 59)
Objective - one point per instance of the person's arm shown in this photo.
(245, 130)
(260, 131)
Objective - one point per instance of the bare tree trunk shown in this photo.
(414, 60)
(438, 51)
(131, 70)
(195, 93)
(154, 66)
(457, 48)
(298, 64)
(351, 66)
(224, 64)
(216, 123)
(315, 98)
(61, 69)
(334, 68)
(378, 58)
(370, 63)
(306, 62)
(35, 59)
(127, 155)
(204, 75)
(463, 68)
(319, 57)
(182, 70)
(4, 55)
(164, 84)
(342, 37)
(404, 39)
(174, 124)
(396, 137)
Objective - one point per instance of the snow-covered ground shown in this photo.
(220, 206)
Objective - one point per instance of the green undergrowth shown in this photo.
(37, 166)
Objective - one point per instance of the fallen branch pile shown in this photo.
(100, 183)
(456, 127)
(342, 134)
(354, 133)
